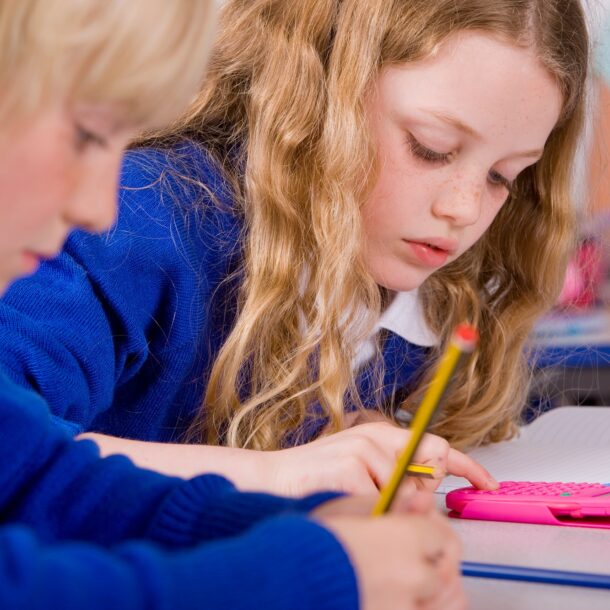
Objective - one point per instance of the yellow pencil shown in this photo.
(425, 472)
(464, 340)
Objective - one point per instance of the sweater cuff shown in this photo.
(209, 507)
(286, 562)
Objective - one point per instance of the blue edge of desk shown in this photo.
(537, 575)
(573, 356)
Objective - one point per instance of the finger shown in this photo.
(422, 582)
(358, 481)
(448, 592)
(434, 535)
(440, 550)
(461, 465)
(427, 587)
(449, 597)
(448, 563)
(379, 463)
(389, 436)
(433, 450)
(392, 441)
(426, 484)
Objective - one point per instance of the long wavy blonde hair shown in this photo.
(286, 90)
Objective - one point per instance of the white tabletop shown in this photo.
(541, 546)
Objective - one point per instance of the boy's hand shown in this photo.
(402, 560)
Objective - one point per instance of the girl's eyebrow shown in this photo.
(461, 126)
(454, 122)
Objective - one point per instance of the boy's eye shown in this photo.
(85, 138)
(426, 154)
(498, 179)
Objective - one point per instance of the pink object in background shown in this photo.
(584, 276)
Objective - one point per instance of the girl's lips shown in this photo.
(427, 254)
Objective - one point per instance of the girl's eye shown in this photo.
(85, 138)
(498, 179)
(426, 154)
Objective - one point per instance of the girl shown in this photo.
(79, 77)
(354, 179)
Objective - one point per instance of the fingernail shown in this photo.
(492, 483)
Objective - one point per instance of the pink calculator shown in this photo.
(576, 504)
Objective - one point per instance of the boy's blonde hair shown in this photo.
(287, 84)
(144, 56)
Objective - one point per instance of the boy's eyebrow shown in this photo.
(458, 124)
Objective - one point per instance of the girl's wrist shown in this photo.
(252, 470)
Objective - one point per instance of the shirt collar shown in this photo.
(405, 317)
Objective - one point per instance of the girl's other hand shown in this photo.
(360, 460)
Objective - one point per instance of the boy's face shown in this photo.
(58, 170)
(452, 133)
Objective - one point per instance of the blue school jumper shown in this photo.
(78, 532)
(119, 333)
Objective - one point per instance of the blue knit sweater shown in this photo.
(120, 331)
(67, 517)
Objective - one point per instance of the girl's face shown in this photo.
(452, 133)
(58, 170)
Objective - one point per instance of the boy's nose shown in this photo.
(93, 211)
(94, 206)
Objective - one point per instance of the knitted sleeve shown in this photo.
(120, 305)
(62, 489)
(288, 562)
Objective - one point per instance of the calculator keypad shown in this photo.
(527, 488)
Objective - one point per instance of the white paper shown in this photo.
(569, 444)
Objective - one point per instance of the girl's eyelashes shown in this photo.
(84, 138)
(426, 154)
(498, 179)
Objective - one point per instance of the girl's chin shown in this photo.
(401, 281)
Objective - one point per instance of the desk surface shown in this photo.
(543, 546)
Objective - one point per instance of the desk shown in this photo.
(543, 546)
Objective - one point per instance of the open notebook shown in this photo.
(565, 444)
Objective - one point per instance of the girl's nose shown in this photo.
(459, 201)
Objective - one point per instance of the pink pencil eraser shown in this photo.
(466, 336)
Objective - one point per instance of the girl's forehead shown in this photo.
(476, 85)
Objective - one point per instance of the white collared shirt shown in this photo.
(404, 317)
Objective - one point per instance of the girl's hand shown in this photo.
(357, 460)
(402, 560)
(360, 460)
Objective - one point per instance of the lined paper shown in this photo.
(570, 444)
